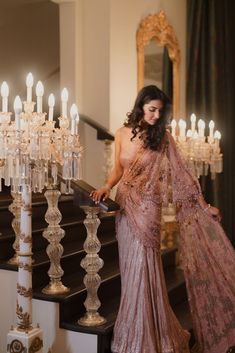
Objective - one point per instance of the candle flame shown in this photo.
(73, 111)
(189, 133)
(17, 103)
(51, 100)
(193, 118)
(29, 80)
(217, 135)
(182, 123)
(4, 89)
(173, 123)
(39, 89)
(64, 95)
(201, 124)
(211, 124)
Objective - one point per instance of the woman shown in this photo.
(144, 154)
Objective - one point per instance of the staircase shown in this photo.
(71, 304)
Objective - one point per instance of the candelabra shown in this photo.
(203, 154)
(32, 149)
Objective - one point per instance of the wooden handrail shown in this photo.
(82, 197)
(102, 132)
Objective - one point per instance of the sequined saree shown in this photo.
(145, 321)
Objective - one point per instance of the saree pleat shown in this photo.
(145, 322)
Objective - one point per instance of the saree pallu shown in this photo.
(208, 260)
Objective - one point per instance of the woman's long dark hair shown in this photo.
(152, 134)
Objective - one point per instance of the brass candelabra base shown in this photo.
(14, 260)
(55, 287)
(92, 319)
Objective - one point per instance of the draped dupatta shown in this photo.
(208, 260)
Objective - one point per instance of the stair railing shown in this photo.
(92, 263)
(105, 136)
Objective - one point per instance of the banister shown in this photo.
(82, 197)
(102, 132)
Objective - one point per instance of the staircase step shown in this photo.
(174, 280)
(72, 303)
(70, 263)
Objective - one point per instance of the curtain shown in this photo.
(211, 90)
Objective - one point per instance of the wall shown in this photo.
(123, 57)
(104, 73)
(29, 34)
(93, 43)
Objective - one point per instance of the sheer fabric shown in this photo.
(208, 260)
(146, 322)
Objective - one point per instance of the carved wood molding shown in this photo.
(157, 26)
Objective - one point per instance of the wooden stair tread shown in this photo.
(109, 311)
(71, 304)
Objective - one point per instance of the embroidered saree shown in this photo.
(145, 321)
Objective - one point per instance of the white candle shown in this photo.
(189, 134)
(64, 99)
(173, 127)
(211, 129)
(51, 103)
(29, 84)
(4, 94)
(77, 122)
(217, 137)
(193, 122)
(201, 128)
(73, 114)
(18, 110)
(182, 126)
(39, 94)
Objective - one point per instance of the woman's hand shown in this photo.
(101, 194)
(214, 212)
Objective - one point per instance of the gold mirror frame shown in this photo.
(157, 26)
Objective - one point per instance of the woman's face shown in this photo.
(152, 111)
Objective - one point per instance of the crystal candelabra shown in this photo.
(202, 153)
(33, 148)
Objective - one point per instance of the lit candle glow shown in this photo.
(64, 99)
(39, 94)
(73, 114)
(4, 94)
(182, 126)
(18, 110)
(211, 128)
(193, 122)
(201, 128)
(51, 103)
(217, 137)
(189, 134)
(29, 84)
(173, 127)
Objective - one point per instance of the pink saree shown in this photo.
(145, 321)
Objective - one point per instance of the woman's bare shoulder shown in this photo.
(123, 131)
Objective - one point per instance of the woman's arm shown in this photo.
(115, 175)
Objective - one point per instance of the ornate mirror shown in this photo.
(158, 56)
